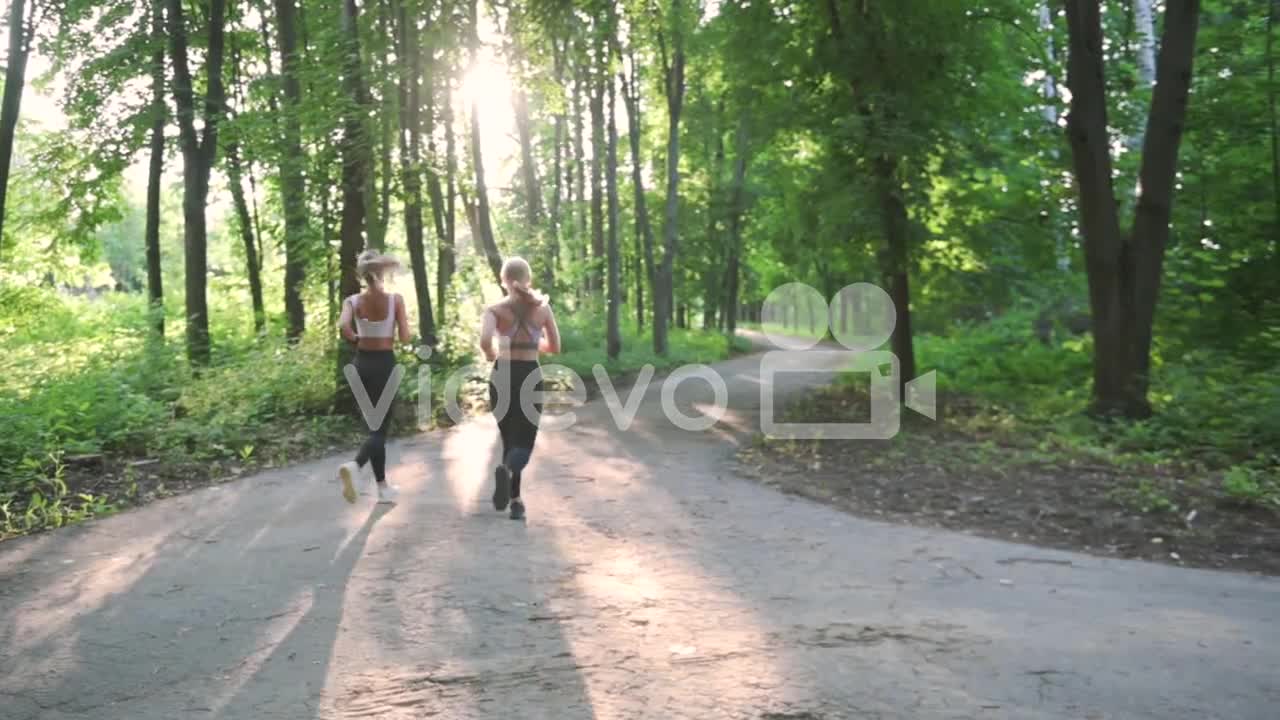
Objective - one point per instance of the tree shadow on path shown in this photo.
(185, 618)
(737, 601)
(463, 623)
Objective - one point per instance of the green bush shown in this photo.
(1210, 408)
(1004, 363)
(81, 376)
(1250, 486)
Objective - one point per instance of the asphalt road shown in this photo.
(647, 582)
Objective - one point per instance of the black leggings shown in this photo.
(518, 431)
(374, 368)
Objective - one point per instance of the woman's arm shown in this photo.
(402, 319)
(551, 334)
(345, 322)
(488, 327)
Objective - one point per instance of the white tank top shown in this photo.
(375, 328)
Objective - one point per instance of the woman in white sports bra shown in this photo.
(524, 326)
(375, 361)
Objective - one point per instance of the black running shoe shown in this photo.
(501, 487)
(517, 509)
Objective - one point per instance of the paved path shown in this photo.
(648, 582)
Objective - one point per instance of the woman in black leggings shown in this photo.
(523, 326)
(375, 365)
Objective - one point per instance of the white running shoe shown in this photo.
(387, 494)
(347, 473)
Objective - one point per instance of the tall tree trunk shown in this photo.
(553, 260)
(1162, 141)
(253, 207)
(714, 278)
(469, 210)
(553, 217)
(614, 341)
(378, 182)
(155, 171)
(426, 125)
(737, 208)
(1124, 272)
(21, 31)
(356, 159)
(595, 282)
(273, 104)
(1145, 24)
(639, 274)
(1049, 89)
(198, 154)
(1275, 128)
(895, 255)
(1145, 19)
(378, 185)
(1049, 86)
(355, 153)
(1105, 249)
(895, 262)
(568, 224)
(293, 192)
(235, 178)
(674, 84)
(447, 252)
(528, 166)
(245, 220)
(644, 230)
(409, 58)
(580, 158)
(483, 221)
(331, 286)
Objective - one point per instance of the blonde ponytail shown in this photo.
(372, 265)
(516, 276)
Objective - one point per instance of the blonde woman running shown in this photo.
(523, 326)
(371, 320)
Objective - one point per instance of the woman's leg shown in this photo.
(504, 417)
(374, 452)
(524, 433)
(501, 407)
(375, 371)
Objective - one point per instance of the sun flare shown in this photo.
(487, 87)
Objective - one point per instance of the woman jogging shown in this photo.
(371, 320)
(523, 326)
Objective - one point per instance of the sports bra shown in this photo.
(521, 321)
(375, 328)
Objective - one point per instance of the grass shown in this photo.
(82, 379)
(1028, 468)
(1215, 416)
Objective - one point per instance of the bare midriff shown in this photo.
(372, 344)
